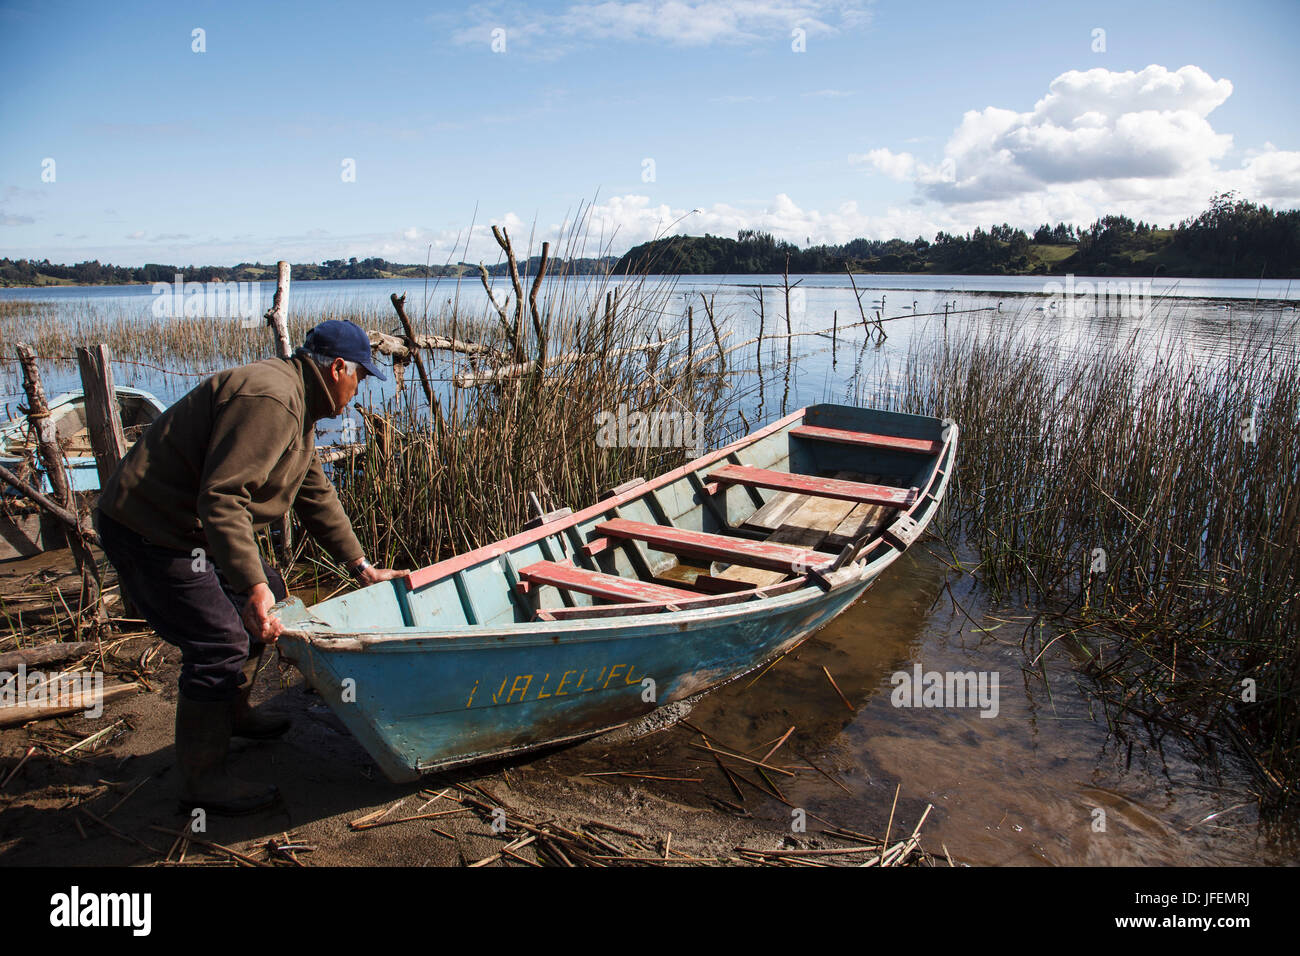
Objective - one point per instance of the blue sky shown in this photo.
(895, 119)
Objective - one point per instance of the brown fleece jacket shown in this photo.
(226, 460)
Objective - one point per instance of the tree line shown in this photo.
(31, 272)
(1231, 238)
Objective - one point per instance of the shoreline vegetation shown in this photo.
(1232, 238)
(1147, 512)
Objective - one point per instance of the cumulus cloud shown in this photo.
(1097, 138)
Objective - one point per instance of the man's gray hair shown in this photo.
(325, 361)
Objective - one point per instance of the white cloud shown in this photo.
(679, 22)
(1098, 142)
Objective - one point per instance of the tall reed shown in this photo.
(1151, 502)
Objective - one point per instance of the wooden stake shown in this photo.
(103, 417)
(278, 317)
(38, 414)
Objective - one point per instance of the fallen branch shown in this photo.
(57, 510)
(45, 654)
(396, 347)
(474, 379)
(19, 714)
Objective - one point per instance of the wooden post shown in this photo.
(47, 439)
(38, 414)
(103, 417)
(278, 317)
(835, 331)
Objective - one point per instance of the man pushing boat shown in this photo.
(178, 519)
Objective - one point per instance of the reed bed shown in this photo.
(451, 469)
(1147, 506)
(178, 343)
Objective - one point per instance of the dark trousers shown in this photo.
(187, 600)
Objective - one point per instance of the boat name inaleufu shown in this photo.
(564, 687)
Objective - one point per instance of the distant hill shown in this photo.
(31, 272)
(1231, 239)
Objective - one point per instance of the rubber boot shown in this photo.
(202, 742)
(255, 724)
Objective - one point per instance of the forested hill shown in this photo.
(34, 272)
(1232, 238)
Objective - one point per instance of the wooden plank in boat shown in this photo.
(775, 513)
(608, 586)
(763, 554)
(854, 491)
(807, 527)
(867, 439)
(863, 519)
(699, 601)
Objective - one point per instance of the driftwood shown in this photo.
(396, 347)
(57, 510)
(25, 713)
(45, 654)
(473, 379)
(540, 330)
(503, 240)
(399, 303)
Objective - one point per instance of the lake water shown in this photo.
(1203, 318)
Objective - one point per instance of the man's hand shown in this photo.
(371, 575)
(258, 621)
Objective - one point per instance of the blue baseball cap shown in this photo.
(345, 340)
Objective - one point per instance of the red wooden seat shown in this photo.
(609, 586)
(867, 439)
(754, 554)
(837, 488)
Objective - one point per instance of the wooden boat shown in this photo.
(138, 409)
(26, 530)
(658, 592)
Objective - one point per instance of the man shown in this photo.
(178, 521)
